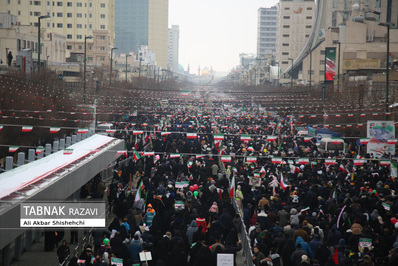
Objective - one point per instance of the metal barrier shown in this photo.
(246, 247)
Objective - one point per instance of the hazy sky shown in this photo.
(215, 32)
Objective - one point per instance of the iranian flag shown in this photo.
(27, 128)
(82, 130)
(334, 195)
(189, 164)
(13, 148)
(307, 139)
(68, 151)
(294, 169)
(175, 155)
(336, 140)
(124, 152)
(283, 184)
(54, 129)
(110, 130)
(303, 161)
(200, 156)
(364, 140)
(1, 127)
(342, 168)
(148, 153)
(226, 158)
(144, 124)
(271, 138)
(359, 161)
(385, 162)
(232, 187)
(330, 162)
(165, 133)
(179, 204)
(218, 136)
(251, 159)
(350, 115)
(362, 115)
(182, 184)
(192, 135)
(277, 160)
(138, 132)
(40, 150)
(392, 141)
(139, 192)
(245, 138)
(218, 144)
(136, 156)
(250, 148)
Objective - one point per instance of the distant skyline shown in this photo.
(214, 32)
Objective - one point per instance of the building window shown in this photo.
(321, 72)
(24, 44)
(79, 26)
(69, 47)
(59, 25)
(309, 8)
(90, 47)
(59, 3)
(37, 14)
(102, 58)
(322, 62)
(79, 15)
(80, 47)
(285, 62)
(48, 3)
(79, 4)
(37, 3)
(287, 8)
(102, 5)
(322, 52)
(90, 26)
(286, 17)
(102, 48)
(102, 15)
(286, 26)
(69, 36)
(102, 37)
(79, 36)
(90, 5)
(90, 15)
(285, 53)
(307, 35)
(19, 2)
(308, 17)
(69, 15)
(285, 35)
(308, 27)
(48, 25)
(59, 15)
(102, 27)
(89, 58)
(69, 4)
(69, 26)
(311, 72)
(285, 44)
(19, 44)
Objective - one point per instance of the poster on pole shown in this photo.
(379, 132)
(330, 63)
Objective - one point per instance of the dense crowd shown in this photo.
(179, 207)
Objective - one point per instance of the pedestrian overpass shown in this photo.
(54, 177)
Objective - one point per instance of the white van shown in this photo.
(102, 128)
(331, 144)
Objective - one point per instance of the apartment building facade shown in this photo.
(267, 20)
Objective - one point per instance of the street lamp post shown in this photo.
(38, 40)
(387, 61)
(126, 64)
(110, 76)
(85, 62)
(338, 66)
(291, 74)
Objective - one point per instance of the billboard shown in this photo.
(330, 63)
(379, 132)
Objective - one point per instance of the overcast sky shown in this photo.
(215, 32)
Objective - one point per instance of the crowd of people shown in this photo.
(171, 195)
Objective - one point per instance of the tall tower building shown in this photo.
(174, 37)
(295, 21)
(142, 22)
(74, 19)
(266, 31)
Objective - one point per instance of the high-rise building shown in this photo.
(295, 19)
(174, 37)
(266, 31)
(142, 22)
(74, 19)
